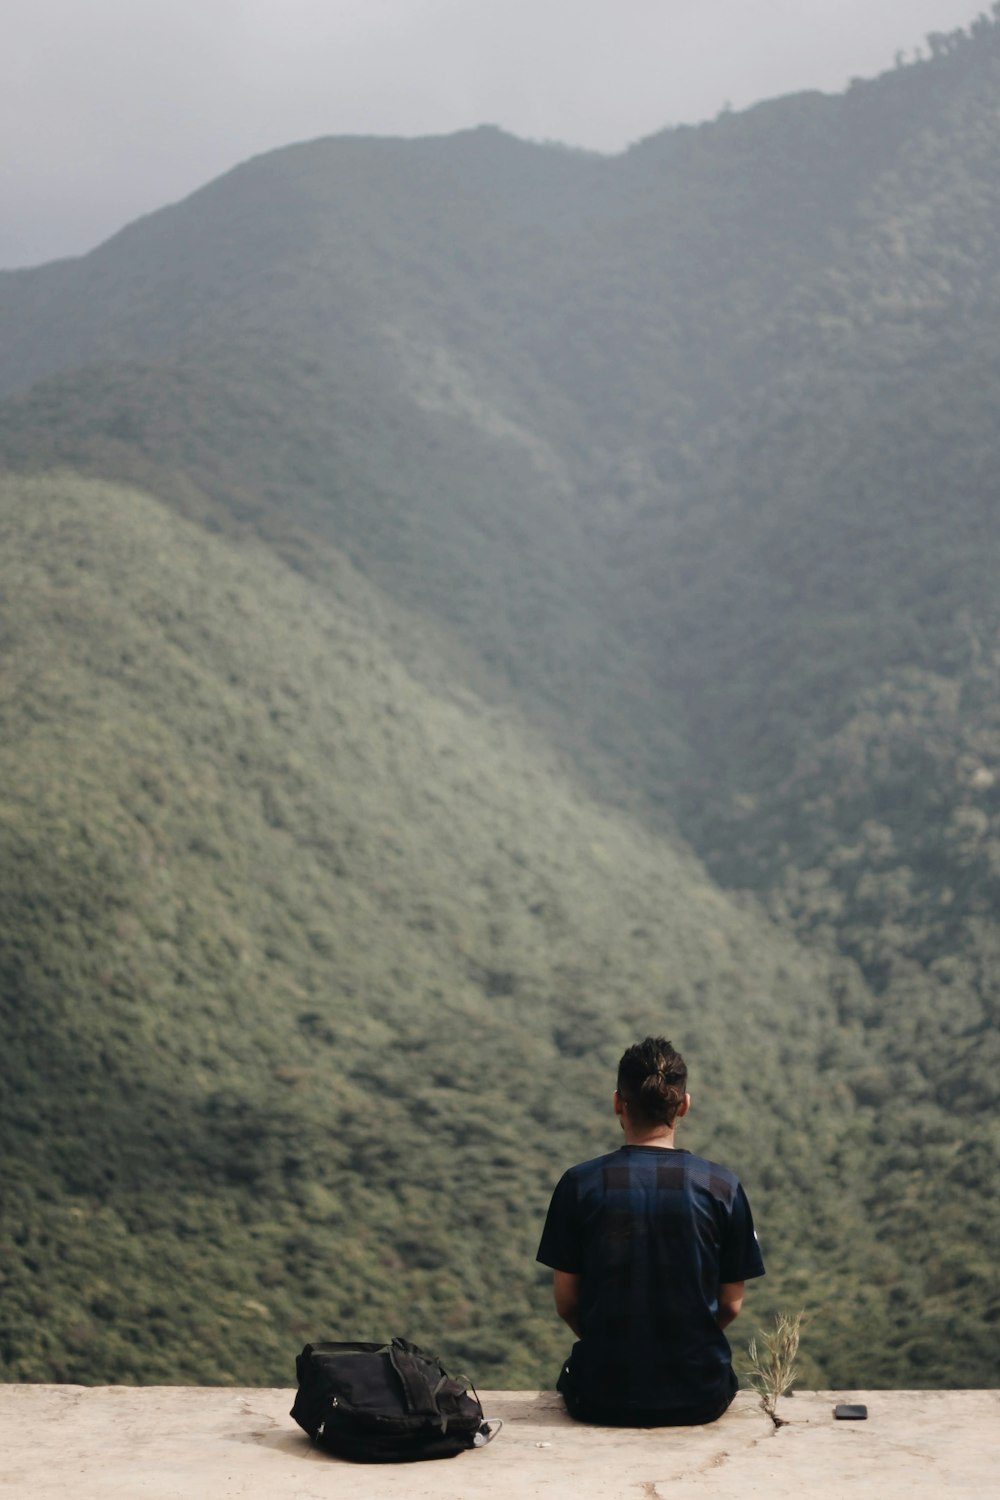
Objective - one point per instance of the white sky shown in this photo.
(111, 108)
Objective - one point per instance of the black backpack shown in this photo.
(385, 1403)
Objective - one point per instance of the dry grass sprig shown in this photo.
(772, 1365)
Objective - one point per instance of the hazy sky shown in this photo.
(110, 108)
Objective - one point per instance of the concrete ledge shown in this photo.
(176, 1443)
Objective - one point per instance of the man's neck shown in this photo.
(660, 1135)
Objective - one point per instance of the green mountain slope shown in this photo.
(313, 981)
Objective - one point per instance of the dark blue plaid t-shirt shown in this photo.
(652, 1233)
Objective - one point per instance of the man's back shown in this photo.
(650, 1246)
(652, 1233)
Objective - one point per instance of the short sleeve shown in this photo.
(560, 1242)
(740, 1258)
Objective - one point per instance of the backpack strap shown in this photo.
(421, 1379)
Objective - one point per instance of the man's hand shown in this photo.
(566, 1289)
(730, 1302)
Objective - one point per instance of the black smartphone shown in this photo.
(850, 1413)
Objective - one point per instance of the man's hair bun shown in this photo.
(652, 1080)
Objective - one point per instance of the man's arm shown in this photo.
(730, 1302)
(566, 1290)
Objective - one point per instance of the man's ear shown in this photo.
(683, 1107)
(618, 1102)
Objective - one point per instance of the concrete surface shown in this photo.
(175, 1443)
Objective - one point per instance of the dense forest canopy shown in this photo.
(463, 604)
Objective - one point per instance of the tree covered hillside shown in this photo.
(313, 979)
(412, 550)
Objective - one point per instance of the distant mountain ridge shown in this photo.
(686, 458)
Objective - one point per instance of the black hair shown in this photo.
(652, 1080)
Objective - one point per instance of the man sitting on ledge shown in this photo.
(651, 1248)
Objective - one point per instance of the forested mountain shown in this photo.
(408, 549)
